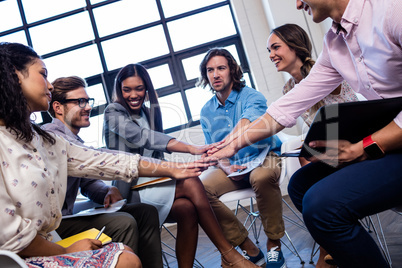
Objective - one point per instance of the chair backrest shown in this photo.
(289, 164)
(56, 236)
(11, 260)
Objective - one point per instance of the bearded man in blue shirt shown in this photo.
(233, 107)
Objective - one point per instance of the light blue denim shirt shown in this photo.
(218, 120)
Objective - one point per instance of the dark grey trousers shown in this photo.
(135, 225)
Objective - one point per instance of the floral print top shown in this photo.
(346, 95)
(33, 180)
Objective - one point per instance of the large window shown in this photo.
(94, 39)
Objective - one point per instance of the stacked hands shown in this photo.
(337, 152)
(223, 149)
(189, 169)
(183, 170)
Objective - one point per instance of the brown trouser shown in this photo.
(264, 181)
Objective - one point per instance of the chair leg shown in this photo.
(254, 215)
(302, 226)
(299, 223)
(379, 233)
(314, 250)
(165, 260)
(196, 264)
(293, 249)
(253, 226)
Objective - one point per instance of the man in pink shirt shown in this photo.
(363, 47)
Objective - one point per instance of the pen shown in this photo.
(100, 233)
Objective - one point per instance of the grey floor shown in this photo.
(209, 257)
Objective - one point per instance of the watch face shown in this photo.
(373, 151)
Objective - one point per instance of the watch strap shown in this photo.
(367, 141)
(372, 148)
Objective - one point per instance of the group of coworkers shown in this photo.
(43, 167)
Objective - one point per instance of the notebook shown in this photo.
(350, 121)
(91, 233)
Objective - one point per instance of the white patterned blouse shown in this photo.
(33, 180)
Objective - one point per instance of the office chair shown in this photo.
(11, 260)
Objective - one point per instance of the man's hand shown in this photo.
(224, 143)
(201, 149)
(226, 167)
(112, 196)
(225, 152)
(233, 168)
(338, 152)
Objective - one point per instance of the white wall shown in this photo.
(256, 19)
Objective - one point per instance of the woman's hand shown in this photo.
(190, 169)
(83, 245)
(338, 152)
(150, 167)
(201, 149)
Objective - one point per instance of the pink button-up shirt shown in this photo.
(366, 51)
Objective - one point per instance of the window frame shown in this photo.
(173, 58)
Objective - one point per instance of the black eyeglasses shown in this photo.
(82, 102)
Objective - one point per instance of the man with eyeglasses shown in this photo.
(135, 225)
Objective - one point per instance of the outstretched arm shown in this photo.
(265, 126)
(150, 167)
(182, 147)
(41, 247)
(238, 130)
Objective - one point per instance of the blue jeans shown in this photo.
(333, 200)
